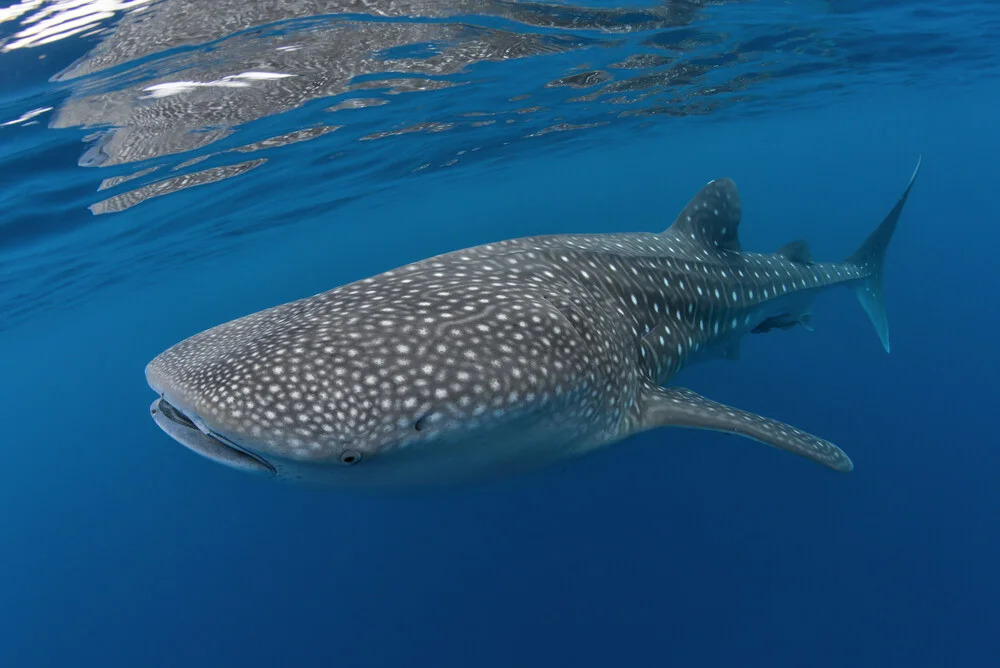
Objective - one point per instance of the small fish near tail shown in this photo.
(870, 257)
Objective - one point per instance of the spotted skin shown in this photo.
(502, 357)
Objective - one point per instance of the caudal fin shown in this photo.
(870, 258)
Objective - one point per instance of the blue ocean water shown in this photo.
(166, 166)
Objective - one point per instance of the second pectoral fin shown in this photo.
(680, 407)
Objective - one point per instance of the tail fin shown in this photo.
(870, 258)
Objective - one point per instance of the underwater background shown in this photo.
(167, 166)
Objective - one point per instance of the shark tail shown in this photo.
(870, 258)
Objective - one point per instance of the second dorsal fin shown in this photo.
(796, 251)
(711, 219)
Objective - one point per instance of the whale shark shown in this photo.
(504, 357)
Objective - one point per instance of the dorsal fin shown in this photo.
(711, 218)
(796, 251)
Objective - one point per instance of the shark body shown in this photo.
(503, 357)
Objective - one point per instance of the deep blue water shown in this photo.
(482, 121)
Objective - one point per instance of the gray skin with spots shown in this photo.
(502, 357)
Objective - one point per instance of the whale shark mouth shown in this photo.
(182, 429)
(172, 413)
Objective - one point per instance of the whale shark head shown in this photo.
(410, 380)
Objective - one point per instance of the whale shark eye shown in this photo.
(420, 423)
(350, 457)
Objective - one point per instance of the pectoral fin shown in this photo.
(680, 407)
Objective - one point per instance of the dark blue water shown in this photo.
(137, 209)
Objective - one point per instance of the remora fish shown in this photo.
(503, 357)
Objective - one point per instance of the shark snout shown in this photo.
(181, 422)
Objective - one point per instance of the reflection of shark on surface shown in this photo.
(503, 357)
(256, 70)
(170, 24)
(171, 115)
